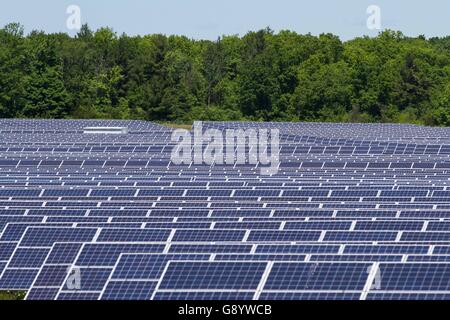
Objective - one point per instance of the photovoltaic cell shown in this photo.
(351, 203)
(317, 276)
(211, 276)
(46, 237)
(129, 290)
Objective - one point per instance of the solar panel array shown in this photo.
(355, 211)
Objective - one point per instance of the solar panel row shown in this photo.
(355, 212)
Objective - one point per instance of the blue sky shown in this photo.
(208, 19)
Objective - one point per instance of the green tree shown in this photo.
(12, 71)
(261, 76)
(45, 93)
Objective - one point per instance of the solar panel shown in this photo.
(129, 290)
(356, 211)
(140, 267)
(212, 276)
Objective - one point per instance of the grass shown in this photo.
(12, 295)
(177, 126)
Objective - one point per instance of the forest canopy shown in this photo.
(261, 76)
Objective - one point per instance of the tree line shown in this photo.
(261, 76)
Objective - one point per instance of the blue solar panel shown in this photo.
(208, 235)
(46, 237)
(314, 296)
(2, 266)
(78, 296)
(415, 277)
(28, 258)
(107, 254)
(129, 290)
(63, 253)
(130, 235)
(317, 276)
(52, 276)
(299, 249)
(208, 275)
(93, 279)
(360, 236)
(407, 296)
(6, 250)
(283, 236)
(42, 294)
(138, 267)
(348, 200)
(17, 279)
(199, 296)
(210, 248)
